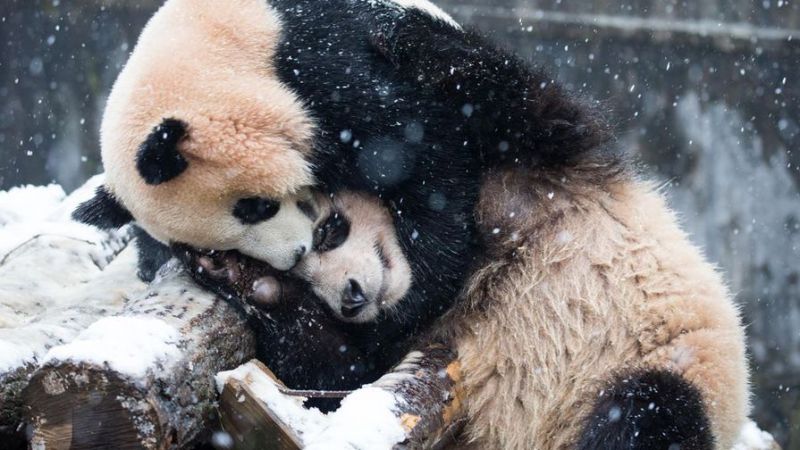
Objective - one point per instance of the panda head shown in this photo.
(202, 144)
(357, 266)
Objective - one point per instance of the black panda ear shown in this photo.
(158, 159)
(102, 211)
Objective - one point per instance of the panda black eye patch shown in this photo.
(332, 233)
(255, 209)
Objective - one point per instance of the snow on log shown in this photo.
(143, 378)
(56, 278)
(410, 407)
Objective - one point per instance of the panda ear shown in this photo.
(158, 159)
(102, 211)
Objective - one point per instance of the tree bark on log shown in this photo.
(52, 287)
(89, 394)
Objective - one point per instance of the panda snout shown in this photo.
(353, 299)
(297, 255)
(299, 252)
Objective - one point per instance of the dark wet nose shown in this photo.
(353, 299)
(299, 252)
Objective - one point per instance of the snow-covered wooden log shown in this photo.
(56, 277)
(413, 406)
(143, 378)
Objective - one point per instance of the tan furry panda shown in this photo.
(593, 323)
(227, 108)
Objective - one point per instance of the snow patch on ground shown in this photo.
(128, 345)
(753, 438)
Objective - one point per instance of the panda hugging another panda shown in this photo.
(474, 203)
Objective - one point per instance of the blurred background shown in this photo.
(705, 92)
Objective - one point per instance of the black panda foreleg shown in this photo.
(152, 254)
(653, 410)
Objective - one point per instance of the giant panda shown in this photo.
(335, 323)
(591, 321)
(227, 110)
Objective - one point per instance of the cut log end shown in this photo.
(79, 406)
(251, 425)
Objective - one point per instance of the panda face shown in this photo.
(356, 266)
(279, 232)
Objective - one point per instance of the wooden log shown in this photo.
(424, 399)
(143, 378)
(249, 420)
(426, 385)
(51, 287)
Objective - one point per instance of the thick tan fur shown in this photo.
(206, 63)
(584, 283)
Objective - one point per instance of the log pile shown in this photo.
(142, 379)
(56, 278)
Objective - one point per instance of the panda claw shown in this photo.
(209, 267)
(232, 270)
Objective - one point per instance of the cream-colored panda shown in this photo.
(592, 323)
(201, 144)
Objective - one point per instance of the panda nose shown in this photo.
(299, 252)
(353, 299)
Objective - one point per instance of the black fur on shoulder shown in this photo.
(152, 254)
(103, 211)
(158, 159)
(654, 409)
(515, 112)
